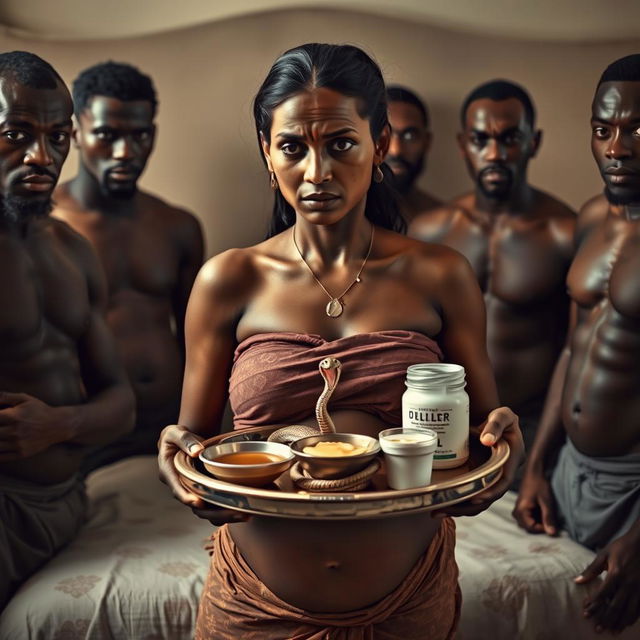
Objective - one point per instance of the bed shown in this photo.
(137, 568)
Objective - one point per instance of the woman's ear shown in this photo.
(382, 145)
(266, 151)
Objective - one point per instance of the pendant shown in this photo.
(334, 308)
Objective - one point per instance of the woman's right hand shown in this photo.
(176, 438)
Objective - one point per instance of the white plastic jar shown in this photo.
(435, 399)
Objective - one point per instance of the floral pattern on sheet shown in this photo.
(77, 586)
(544, 547)
(506, 595)
(72, 630)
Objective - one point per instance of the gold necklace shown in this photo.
(335, 306)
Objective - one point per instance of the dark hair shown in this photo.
(29, 70)
(397, 93)
(347, 70)
(500, 90)
(113, 80)
(625, 69)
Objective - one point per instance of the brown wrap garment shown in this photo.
(236, 604)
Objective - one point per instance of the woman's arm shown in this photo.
(219, 295)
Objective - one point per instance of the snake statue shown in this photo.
(330, 369)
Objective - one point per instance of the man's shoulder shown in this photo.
(64, 204)
(432, 224)
(552, 207)
(156, 206)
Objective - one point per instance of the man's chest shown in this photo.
(516, 263)
(41, 291)
(608, 266)
(137, 256)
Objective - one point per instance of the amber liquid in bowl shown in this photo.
(248, 457)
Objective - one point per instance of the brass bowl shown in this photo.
(252, 475)
(332, 467)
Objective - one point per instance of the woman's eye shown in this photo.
(342, 144)
(291, 148)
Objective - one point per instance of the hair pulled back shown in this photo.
(351, 72)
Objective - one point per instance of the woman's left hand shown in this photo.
(501, 423)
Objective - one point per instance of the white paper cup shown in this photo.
(408, 455)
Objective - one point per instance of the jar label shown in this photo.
(450, 423)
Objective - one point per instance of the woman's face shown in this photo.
(322, 154)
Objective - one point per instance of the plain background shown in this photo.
(206, 157)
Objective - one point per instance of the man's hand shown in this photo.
(535, 509)
(501, 423)
(176, 438)
(616, 604)
(27, 426)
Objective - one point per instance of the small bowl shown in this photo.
(252, 474)
(332, 467)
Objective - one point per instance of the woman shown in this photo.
(333, 279)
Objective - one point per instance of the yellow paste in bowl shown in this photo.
(334, 449)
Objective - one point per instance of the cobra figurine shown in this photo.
(330, 369)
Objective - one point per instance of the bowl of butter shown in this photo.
(335, 455)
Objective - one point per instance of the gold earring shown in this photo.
(273, 181)
(378, 176)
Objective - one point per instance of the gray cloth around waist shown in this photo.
(36, 521)
(598, 498)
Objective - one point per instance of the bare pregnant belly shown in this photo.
(327, 566)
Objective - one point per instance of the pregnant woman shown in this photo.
(335, 278)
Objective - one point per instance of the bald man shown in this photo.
(583, 473)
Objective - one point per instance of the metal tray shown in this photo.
(282, 499)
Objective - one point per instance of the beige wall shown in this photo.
(206, 156)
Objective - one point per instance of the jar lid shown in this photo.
(435, 374)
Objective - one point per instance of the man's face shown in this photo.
(615, 139)
(115, 139)
(35, 132)
(410, 142)
(497, 143)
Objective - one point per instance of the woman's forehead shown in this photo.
(317, 106)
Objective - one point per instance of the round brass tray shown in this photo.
(282, 499)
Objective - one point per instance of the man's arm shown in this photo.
(31, 426)
(535, 508)
(109, 411)
(192, 255)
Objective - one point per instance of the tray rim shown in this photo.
(491, 469)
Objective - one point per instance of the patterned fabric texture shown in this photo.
(236, 604)
(136, 571)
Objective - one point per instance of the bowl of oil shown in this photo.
(250, 463)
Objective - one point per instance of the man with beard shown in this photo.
(150, 251)
(62, 389)
(518, 240)
(592, 414)
(410, 142)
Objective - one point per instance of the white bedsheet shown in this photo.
(136, 571)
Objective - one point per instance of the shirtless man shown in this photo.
(593, 405)
(518, 240)
(150, 251)
(61, 387)
(410, 142)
